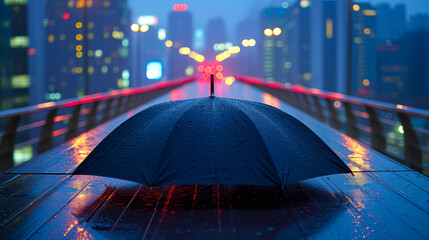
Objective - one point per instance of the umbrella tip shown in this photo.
(212, 86)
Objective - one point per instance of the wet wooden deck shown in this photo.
(383, 200)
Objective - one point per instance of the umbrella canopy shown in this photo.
(212, 141)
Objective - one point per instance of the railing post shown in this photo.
(106, 113)
(319, 111)
(118, 106)
(333, 115)
(46, 140)
(92, 116)
(351, 122)
(413, 154)
(129, 103)
(73, 126)
(378, 141)
(8, 144)
(306, 102)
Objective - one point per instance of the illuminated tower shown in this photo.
(108, 41)
(14, 42)
(180, 32)
(298, 42)
(364, 49)
(273, 48)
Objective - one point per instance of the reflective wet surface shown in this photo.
(383, 200)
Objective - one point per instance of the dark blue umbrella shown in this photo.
(212, 141)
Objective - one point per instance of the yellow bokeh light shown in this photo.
(268, 32)
(356, 7)
(80, 4)
(168, 43)
(144, 28)
(51, 38)
(245, 43)
(252, 42)
(135, 27)
(229, 80)
(79, 54)
(79, 48)
(199, 58)
(79, 37)
(277, 31)
(366, 82)
(79, 70)
(184, 50)
(219, 75)
(367, 31)
(78, 25)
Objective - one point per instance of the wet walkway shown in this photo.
(383, 200)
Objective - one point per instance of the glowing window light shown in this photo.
(180, 7)
(268, 32)
(78, 25)
(329, 29)
(79, 54)
(356, 7)
(79, 70)
(144, 28)
(135, 27)
(277, 31)
(154, 70)
(369, 12)
(168, 43)
(401, 129)
(79, 48)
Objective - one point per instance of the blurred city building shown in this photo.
(297, 44)
(180, 33)
(418, 22)
(108, 42)
(215, 34)
(149, 55)
(14, 44)
(273, 48)
(364, 44)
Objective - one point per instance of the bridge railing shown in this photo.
(397, 131)
(36, 129)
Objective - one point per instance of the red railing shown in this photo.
(48, 124)
(388, 128)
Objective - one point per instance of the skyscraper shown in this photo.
(180, 32)
(329, 47)
(273, 49)
(215, 33)
(363, 49)
(298, 43)
(108, 30)
(14, 42)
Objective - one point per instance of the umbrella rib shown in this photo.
(262, 140)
